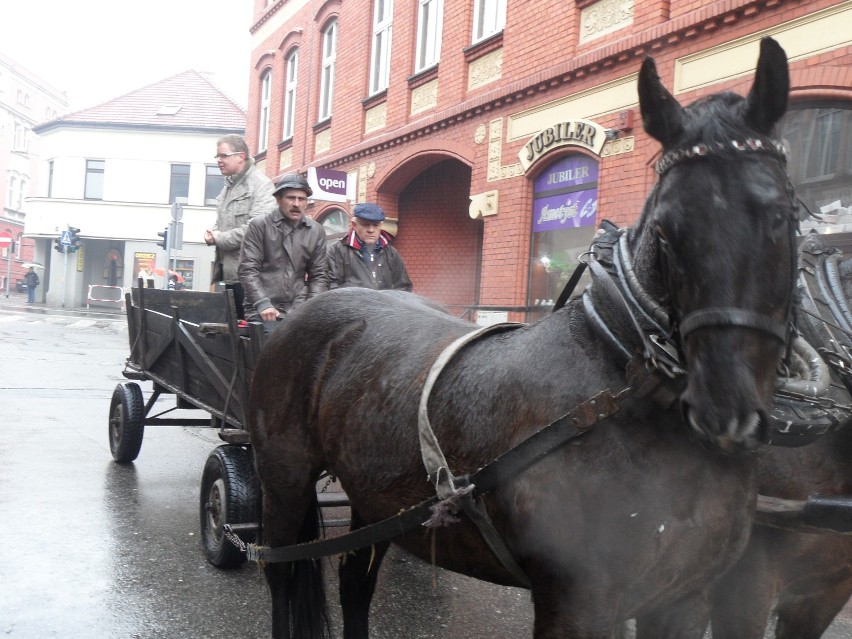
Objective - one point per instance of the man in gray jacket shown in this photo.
(364, 257)
(247, 193)
(284, 254)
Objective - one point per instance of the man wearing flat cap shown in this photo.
(364, 257)
(283, 260)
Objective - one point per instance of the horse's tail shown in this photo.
(306, 594)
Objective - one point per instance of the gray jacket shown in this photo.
(244, 196)
(279, 270)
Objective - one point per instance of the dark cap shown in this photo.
(292, 181)
(369, 211)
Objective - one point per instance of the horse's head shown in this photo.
(718, 236)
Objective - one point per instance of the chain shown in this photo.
(328, 482)
(231, 536)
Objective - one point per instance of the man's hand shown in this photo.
(269, 314)
(209, 238)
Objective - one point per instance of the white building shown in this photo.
(113, 171)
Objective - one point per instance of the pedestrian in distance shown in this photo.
(247, 193)
(32, 281)
(283, 261)
(364, 256)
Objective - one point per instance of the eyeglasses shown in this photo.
(222, 156)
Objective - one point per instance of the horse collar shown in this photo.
(670, 159)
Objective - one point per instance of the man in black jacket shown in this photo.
(364, 257)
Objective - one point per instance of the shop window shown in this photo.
(565, 207)
(818, 137)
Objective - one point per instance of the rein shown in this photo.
(511, 463)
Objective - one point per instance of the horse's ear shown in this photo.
(767, 100)
(662, 115)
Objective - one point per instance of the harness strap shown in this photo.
(733, 317)
(437, 468)
(511, 463)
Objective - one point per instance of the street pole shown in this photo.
(64, 272)
(8, 268)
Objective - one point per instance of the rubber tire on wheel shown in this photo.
(126, 422)
(230, 494)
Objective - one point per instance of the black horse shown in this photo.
(643, 511)
(805, 577)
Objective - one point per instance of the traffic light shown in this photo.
(75, 240)
(57, 245)
(164, 243)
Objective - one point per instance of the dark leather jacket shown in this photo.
(347, 267)
(273, 268)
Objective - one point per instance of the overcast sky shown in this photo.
(97, 50)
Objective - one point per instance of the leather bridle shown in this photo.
(733, 316)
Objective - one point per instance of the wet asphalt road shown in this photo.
(93, 549)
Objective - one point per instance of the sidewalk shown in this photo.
(18, 302)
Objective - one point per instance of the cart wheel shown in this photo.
(230, 494)
(126, 422)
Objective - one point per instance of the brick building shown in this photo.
(25, 100)
(498, 133)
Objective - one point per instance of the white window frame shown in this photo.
(10, 193)
(430, 23)
(329, 57)
(489, 17)
(265, 105)
(290, 82)
(381, 50)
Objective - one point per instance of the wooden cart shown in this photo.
(189, 344)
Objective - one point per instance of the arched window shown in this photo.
(565, 206)
(329, 56)
(265, 100)
(818, 137)
(335, 223)
(290, 94)
(380, 60)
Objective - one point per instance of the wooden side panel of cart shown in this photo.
(188, 344)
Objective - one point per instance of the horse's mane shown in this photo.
(717, 118)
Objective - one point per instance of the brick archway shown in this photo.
(440, 243)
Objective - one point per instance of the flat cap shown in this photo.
(369, 211)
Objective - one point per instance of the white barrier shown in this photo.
(105, 290)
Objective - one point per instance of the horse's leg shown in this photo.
(566, 612)
(358, 573)
(291, 515)
(686, 619)
(743, 600)
(809, 617)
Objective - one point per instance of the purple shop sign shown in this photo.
(565, 211)
(570, 171)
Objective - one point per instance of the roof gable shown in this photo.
(187, 100)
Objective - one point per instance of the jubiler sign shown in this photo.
(583, 133)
